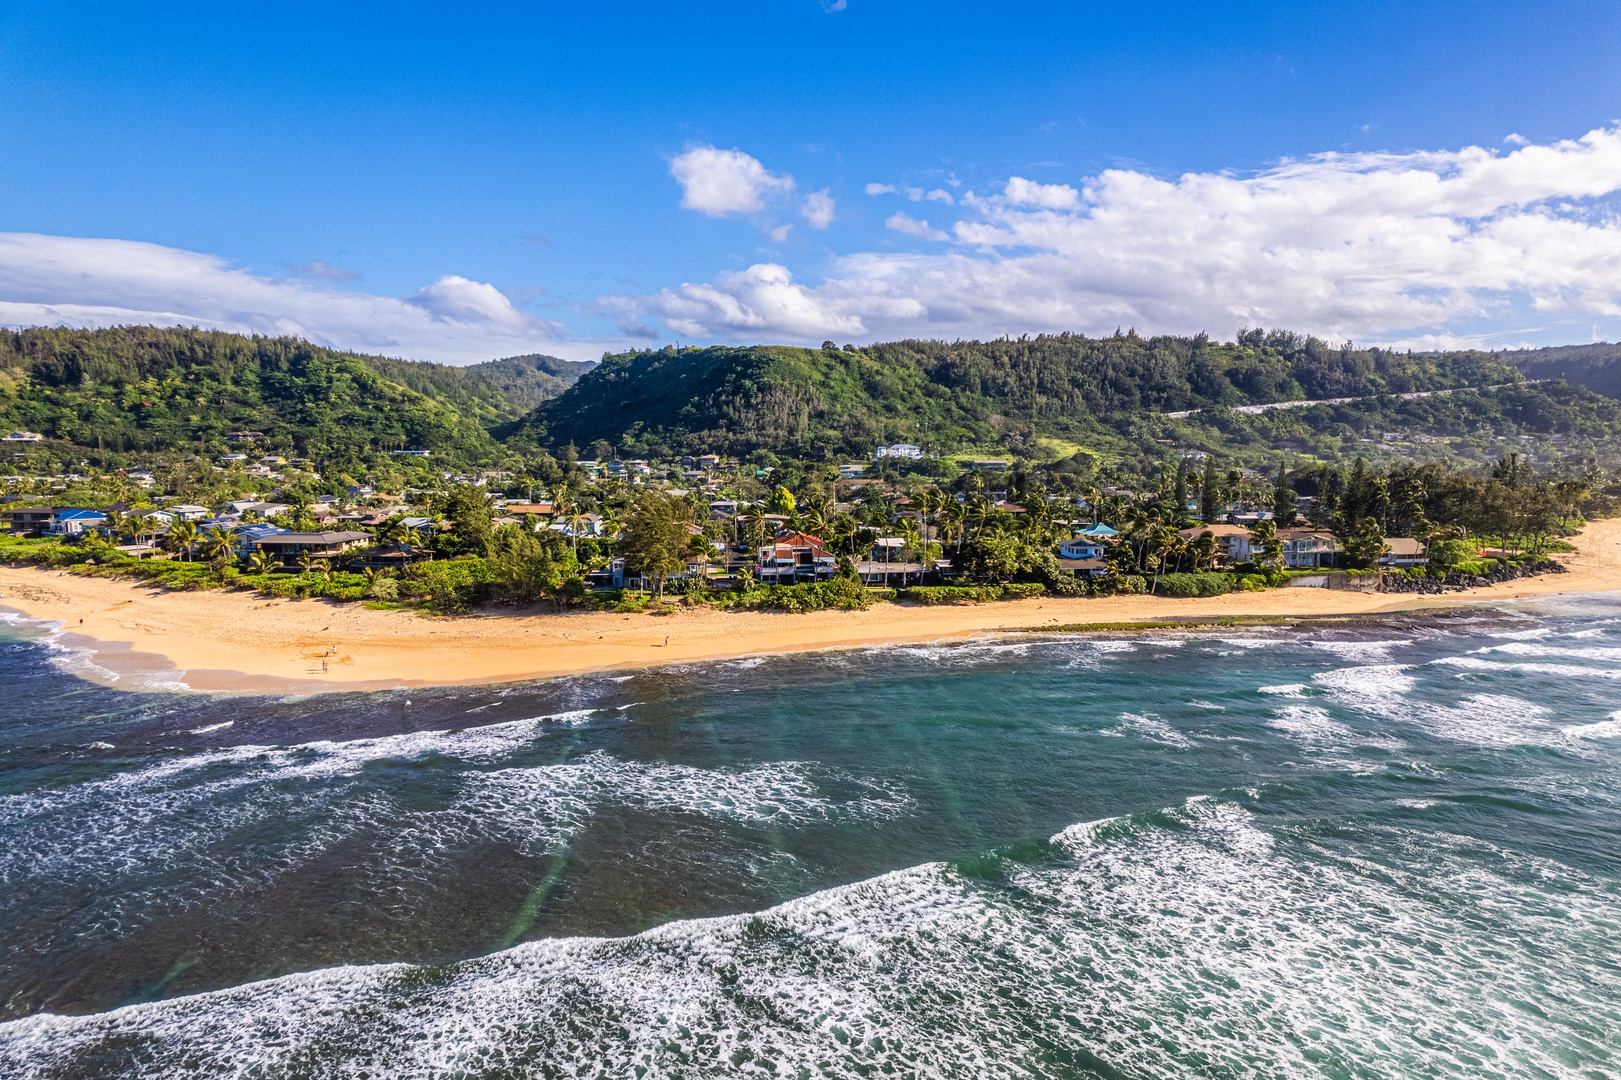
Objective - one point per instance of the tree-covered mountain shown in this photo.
(493, 392)
(1597, 367)
(143, 389)
(928, 392)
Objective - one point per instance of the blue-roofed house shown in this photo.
(75, 522)
(1099, 531)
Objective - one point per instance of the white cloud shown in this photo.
(780, 233)
(880, 189)
(64, 281)
(323, 271)
(940, 195)
(911, 226)
(1425, 246)
(818, 209)
(913, 193)
(1022, 192)
(720, 183)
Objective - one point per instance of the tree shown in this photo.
(182, 535)
(467, 508)
(218, 548)
(1283, 496)
(527, 566)
(654, 543)
(261, 562)
(1209, 493)
(1264, 537)
(1365, 544)
(782, 501)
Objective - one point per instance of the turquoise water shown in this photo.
(1375, 849)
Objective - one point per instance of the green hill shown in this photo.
(143, 389)
(1597, 367)
(1013, 393)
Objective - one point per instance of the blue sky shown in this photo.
(462, 182)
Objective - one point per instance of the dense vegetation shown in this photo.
(1597, 367)
(135, 390)
(1105, 394)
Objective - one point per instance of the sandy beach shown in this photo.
(136, 635)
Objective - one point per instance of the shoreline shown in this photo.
(140, 637)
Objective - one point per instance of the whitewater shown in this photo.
(1385, 848)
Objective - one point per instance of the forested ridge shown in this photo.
(143, 389)
(820, 402)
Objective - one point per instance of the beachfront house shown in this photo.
(316, 545)
(389, 557)
(27, 520)
(794, 557)
(1234, 542)
(1308, 549)
(75, 522)
(1402, 552)
(1081, 547)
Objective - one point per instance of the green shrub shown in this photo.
(1252, 583)
(844, 593)
(1120, 585)
(384, 588)
(1190, 585)
(949, 594)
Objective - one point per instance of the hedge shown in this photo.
(968, 594)
(1189, 585)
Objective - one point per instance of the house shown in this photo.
(1402, 552)
(246, 538)
(23, 436)
(318, 545)
(1099, 531)
(1308, 548)
(75, 522)
(851, 471)
(188, 512)
(1082, 547)
(28, 521)
(232, 459)
(794, 557)
(390, 556)
(244, 436)
(539, 509)
(874, 572)
(1234, 541)
(898, 450)
(988, 465)
(410, 453)
(262, 509)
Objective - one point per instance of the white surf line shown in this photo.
(1256, 410)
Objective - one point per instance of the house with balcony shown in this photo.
(317, 545)
(1308, 549)
(794, 557)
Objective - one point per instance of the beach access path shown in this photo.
(136, 635)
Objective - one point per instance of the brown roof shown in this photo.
(1217, 530)
(1404, 545)
(1093, 563)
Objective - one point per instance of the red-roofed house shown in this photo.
(794, 557)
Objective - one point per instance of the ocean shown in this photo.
(1372, 848)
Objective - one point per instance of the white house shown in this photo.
(23, 436)
(1082, 547)
(898, 450)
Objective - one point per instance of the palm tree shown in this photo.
(1203, 549)
(928, 502)
(115, 524)
(575, 520)
(753, 519)
(1164, 543)
(218, 547)
(261, 562)
(305, 562)
(182, 535)
(954, 518)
